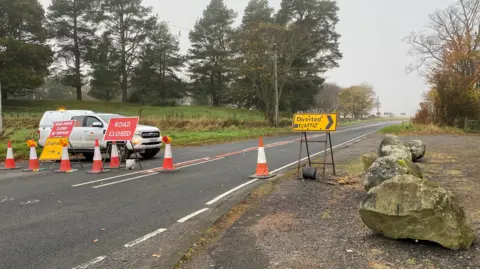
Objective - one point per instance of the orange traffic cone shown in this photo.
(97, 166)
(65, 166)
(114, 159)
(262, 166)
(167, 158)
(33, 164)
(9, 160)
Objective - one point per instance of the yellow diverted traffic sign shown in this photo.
(315, 122)
(52, 151)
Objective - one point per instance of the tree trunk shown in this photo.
(123, 64)
(213, 90)
(78, 73)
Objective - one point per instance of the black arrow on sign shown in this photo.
(330, 122)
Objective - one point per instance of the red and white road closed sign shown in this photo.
(121, 129)
(62, 129)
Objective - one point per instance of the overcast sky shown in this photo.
(371, 42)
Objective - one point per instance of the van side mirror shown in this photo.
(97, 125)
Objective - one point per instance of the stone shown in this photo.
(391, 145)
(408, 207)
(368, 160)
(385, 168)
(417, 149)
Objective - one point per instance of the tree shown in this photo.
(448, 50)
(357, 101)
(70, 25)
(128, 23)
(326, 99)
(210, 53)
(155, 77)
(24, 55)
(257, 11)
(104, 60)
(309, 44)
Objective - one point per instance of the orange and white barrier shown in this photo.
(262, 166)
(65, 165)
(168, 158)
(114, 159)
(97, 166)
(33, 163)
(10, 159)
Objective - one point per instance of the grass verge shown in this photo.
(408, 128)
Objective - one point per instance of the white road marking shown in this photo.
(92, 262)
(352, 141)
(230, 191)
(145, 237)
(29, 202)
(6, 199)
(105, 179)
(125, 180)
(192, 215)
(193, 164)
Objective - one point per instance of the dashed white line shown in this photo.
(125, 180)
(192, 215)
(230, 191)
(145, 237)
(105, 179)
(92, 262)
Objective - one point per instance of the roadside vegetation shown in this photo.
(451, 62)
(407, 128)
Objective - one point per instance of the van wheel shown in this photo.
(150, 153)
(88, 156)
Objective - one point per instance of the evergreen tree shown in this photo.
(210, 53)
(24, 54)
(128, 23)
(70, 25)
(104, 60)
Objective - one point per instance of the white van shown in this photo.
(91, 125)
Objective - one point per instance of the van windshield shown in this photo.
(107, 117)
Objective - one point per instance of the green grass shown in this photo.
(407, 128)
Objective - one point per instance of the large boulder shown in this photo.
(387, 167)
(392, 146)
(417, 149)
(407, 207)
(368, 160)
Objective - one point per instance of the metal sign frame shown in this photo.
(328, 146)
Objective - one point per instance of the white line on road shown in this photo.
(125, 180)
(105, 179)
(192, 215)
(145, 237)
(92, 262)
(352, 141)
(230, 191)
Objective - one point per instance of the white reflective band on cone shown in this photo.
(261, 155)
(168, 151)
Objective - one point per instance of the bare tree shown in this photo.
(327, 97)
(451, 40)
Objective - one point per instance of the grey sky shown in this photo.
(371, 43)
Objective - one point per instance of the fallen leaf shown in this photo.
(95, 241)
(156, 255)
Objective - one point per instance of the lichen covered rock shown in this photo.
(383, 169)
(392, 146)
(408, 207)
(368, 160)
(417, 149)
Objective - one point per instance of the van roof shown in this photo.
(50, 116)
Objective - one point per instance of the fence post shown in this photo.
(465, 125)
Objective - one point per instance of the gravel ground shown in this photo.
(315, 224)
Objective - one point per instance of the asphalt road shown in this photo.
(120, 219)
